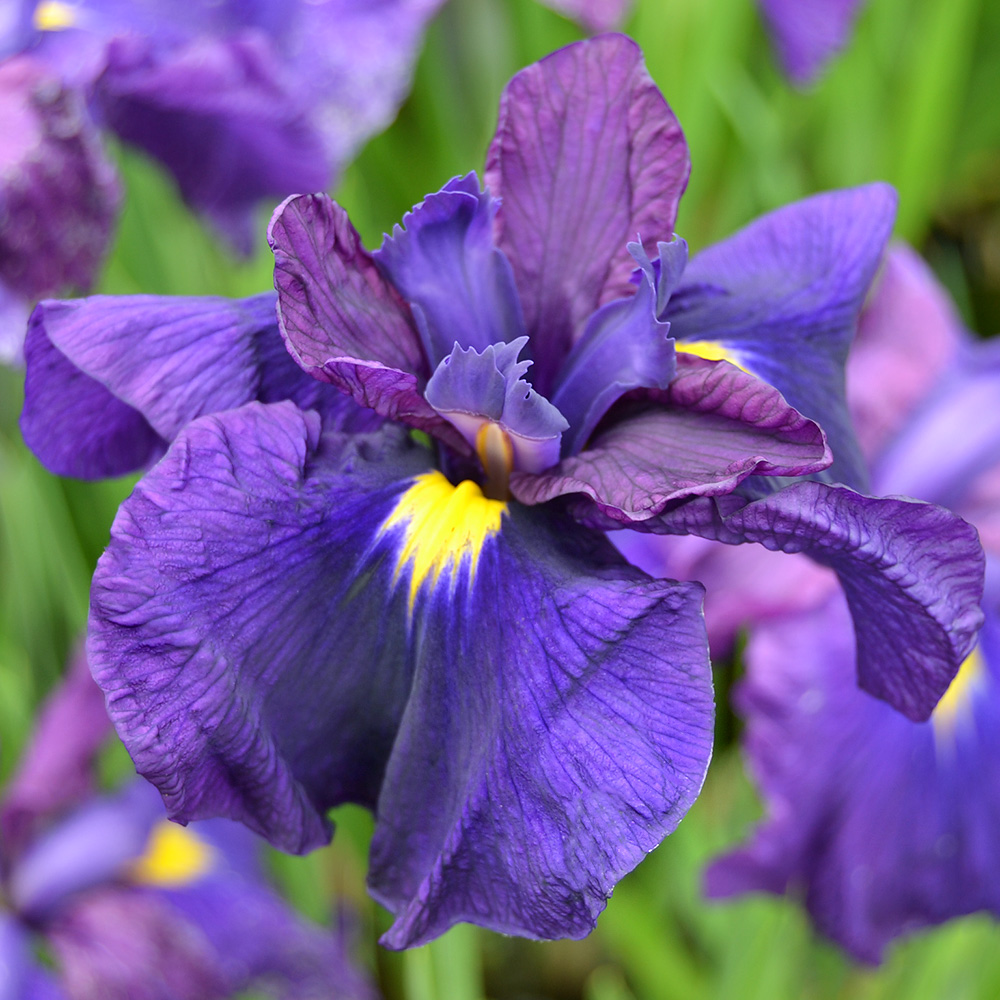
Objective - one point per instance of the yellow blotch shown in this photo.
(54, 15)
(955, 700)
(710, 350)
(174, 857)
(441, 525)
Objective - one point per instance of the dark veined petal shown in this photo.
(344, 323)
(283, 623)
(442, 260)
(808, 33)
(781, 298)
(912, 573)
(712, 428)
(112, 379)
(885, 825)
(56, 769)
(587, 154)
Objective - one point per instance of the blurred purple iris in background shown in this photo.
(371, 573)
(129, 906)
(882, 824)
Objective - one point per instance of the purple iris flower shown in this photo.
(881, 824)
(373, 573)
(58, 195)
(130, 905)
(240, 100)
(808, 33)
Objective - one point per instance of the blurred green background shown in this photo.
(913, 100)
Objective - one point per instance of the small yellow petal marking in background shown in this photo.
(956, 699)
(442, 525)
(174, 857)
(710, 350)
(54, 15)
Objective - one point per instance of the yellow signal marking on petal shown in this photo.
(955, 700)
(174, 857)
(710, 350)
(442, 525)
(54, 15)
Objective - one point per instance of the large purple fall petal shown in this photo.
(111, 380)
(558, 728)
(883, 824)
(443, 262)
(808, 33)
(56, 770)
(782, 297)
(342, 320)
(587, 153)
(912, 573)
(711, 429)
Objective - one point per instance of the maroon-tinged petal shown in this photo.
(342, 320)
(711, 429)
(237, 648)
(781, 298)
(559, 727)
(587, 153)
(808, 33)
(594, 15)
(907, 335)
(58, 193)
(111, 380)
(912, 573)
(442, 260)
(56, 770)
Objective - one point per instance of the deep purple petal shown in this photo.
(886, 825)
(238, 629)
(123, 943)
(912, 573)
(715, 426)
(56, 769)
(808, 33)
(782, 297)
(111, 380)
(587, 154)
(907, 335)
(342, 320)
(58, 193)
(460, 287)
(623, 347)
(218, 114)
(594, 15)
(558, 728)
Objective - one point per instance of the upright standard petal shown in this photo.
(808, 33)
(709, 431)
(587, 153)
(111, 380)
(442, 260)
(781, 298)
(282, 623)
(343, 322)
(912, 574)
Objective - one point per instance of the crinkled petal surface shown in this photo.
(587, 153)
(886, 825)
(912, 573)
(782, 297)
(808, 33)
(56, 770)
(713, 427)
(112, 379)
(343, 322)
(282, 623)
(444, 263)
